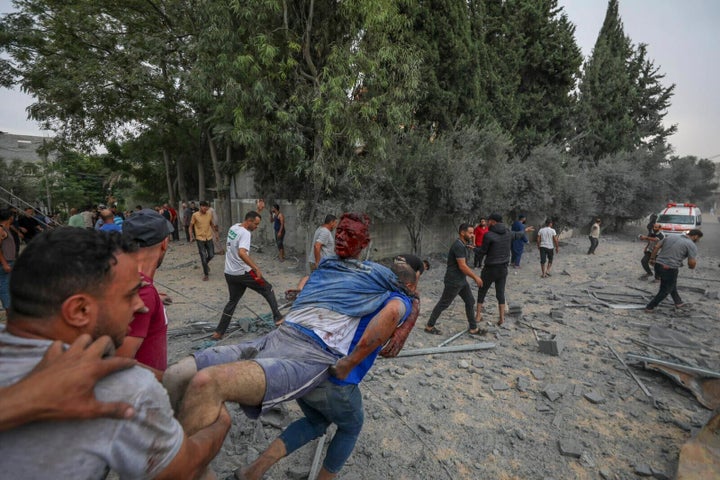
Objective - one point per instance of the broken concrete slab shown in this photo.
(570, 448)
(553, 391)
(594, 397)
(550, 345)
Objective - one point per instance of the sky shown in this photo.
(683, 38)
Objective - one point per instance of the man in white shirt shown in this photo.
(546, 241)
(241, 272)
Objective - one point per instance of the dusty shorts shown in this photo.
(294, 363)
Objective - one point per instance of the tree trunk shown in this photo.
(224, 209)
(168, 178)
(181, 186)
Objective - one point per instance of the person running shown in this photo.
(241, 273)
(673, 250)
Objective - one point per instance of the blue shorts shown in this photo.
(293, 362)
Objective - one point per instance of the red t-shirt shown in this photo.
(480, 234)
(151, 327)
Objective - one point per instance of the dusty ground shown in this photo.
(510, 412)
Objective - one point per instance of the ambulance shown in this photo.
(678, 218)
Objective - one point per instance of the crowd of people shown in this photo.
(86, 336)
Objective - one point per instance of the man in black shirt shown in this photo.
(496, 250)
(455, 283)
(29, 225)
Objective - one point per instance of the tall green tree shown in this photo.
(450, 85)
(622, 102)
(532, 64)
(101, 70)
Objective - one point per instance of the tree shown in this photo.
(532, 65)
(101, 71)
(451, 85)
(689, 179)
(621, 99)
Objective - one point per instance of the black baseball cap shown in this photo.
(147, 227)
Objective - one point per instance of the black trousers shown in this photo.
(496, 274)
(237, 284)
(448, 295)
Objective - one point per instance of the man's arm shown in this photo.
(192, 228)
(692, 263)
(3, 261)
(281, 232)
(316, 252)
(61, 386)
(245, 256)
(557, 244)
(399, 336)
(462, 265)
(654, 252)
(377, 332)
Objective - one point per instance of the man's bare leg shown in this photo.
(176, 379)
(478, 314)
(241, 382)
(501, 310)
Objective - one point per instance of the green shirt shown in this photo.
(76, 221)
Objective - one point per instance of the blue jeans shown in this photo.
(5, 287)
(328, 403)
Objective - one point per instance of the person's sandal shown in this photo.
(432, 331)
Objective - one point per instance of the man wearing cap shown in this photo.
(146, 340)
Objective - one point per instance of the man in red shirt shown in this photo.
(146, 340)
(479, 234)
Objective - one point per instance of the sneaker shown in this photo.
(680, 305)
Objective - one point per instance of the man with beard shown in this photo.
(66, 283)
(147, 337)
(455, 283)
(496, 250)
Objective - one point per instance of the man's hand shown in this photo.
(341, 369)
(63, 382)
(397, 341)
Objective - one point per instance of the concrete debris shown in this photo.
(594, 397)
(570, 448)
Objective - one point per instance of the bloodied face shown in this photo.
(351, 236)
